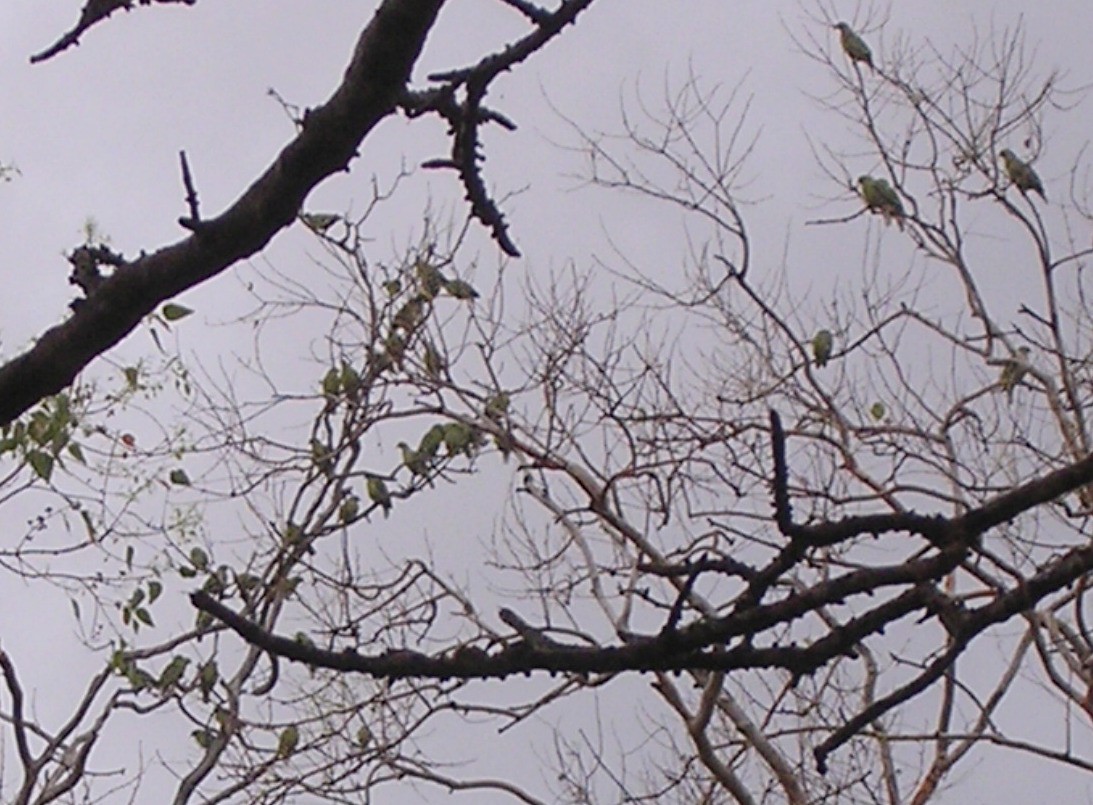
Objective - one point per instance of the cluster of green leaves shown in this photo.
(135, 611)
(45, 435)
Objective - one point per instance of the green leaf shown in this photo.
(88, 524)
(319, 221)
(199, 559)
(76, 452)
(41, 463)
(132, 377)
(154, 589)
(179, 477)
(175, 312)
(144, 616)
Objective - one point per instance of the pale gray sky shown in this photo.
(95, 132)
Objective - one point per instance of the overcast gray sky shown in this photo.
(95, 132)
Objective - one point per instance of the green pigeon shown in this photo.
(460, 438)
(394, 347)
(172, 674)
(430, 442)
(854, 45)
(349, 509)
(460, 289)
(410, 315)
(429, 278)
(1013, 370)
(497, 406)
(418, 465)
(319, 221)
(881, 197)
(1021, 173)
(822, 345)
(287, 741)
(377, 493)
(433, 361)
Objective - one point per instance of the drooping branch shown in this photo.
(464, 117)
(331, 134)
(94, 11)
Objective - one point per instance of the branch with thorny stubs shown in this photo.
(704, 644)
(465, 116)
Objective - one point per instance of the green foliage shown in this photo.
(135, 611)
(45, 436)
(174, 312)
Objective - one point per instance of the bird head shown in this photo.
(1006, 155)
(841, 26)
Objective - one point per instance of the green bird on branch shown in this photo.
(854, 45)
(881, 197)
(1022, 175)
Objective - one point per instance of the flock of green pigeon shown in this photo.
(880, 197)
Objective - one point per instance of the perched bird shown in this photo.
(433, 361)
(881, 197)
(497, 406)
(378, 493)
(410, 315)
(416, 464)
(822, 344)
(854, 45)
(460, 289)
(172, 674)
(1013, 370)
(430, 442)
(429, 278)
(349, 509)
(460, 438)
(287, 741)
(1021, 173)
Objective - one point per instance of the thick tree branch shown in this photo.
(375, 79)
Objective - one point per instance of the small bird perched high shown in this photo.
(854, 45)
(1013, 370)
(1021, 173)
(822, 345)
(879, 196)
